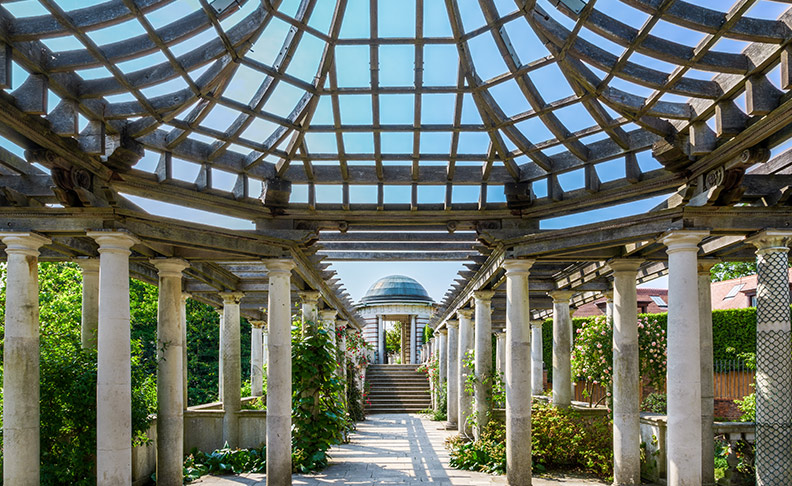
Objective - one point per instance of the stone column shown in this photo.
(279, 389)
(562, 348)
(403, 343)
(310, 306)
(500, 352)
(773, 362)
(220, 356)
(483, 345)
(170, 383)
(381, 350)
(518, 373)
(114, 373)
(257, 358)
(442, 354)
(413, 340)
(537, 358)
(684, 359)
(707, 374)
(341, 327)
(626, 377)
(453, 372)
(608, 294)
(89, 324)
(328, 320)
(21, 360)
(185, 380)
(465, 406)
(232, 367)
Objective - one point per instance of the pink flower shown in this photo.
(599, 345)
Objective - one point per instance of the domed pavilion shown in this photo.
(391, 299)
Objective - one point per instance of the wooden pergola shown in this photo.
(207, 105)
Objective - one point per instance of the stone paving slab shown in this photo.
(392, 449)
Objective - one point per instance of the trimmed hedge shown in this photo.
(731, 328)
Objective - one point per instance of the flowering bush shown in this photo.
(592, 354)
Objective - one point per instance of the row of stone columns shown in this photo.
(690, 379)
(106, 324)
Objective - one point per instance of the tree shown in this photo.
(393, 339)
(729, 270)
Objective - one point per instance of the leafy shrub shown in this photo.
(561, 439)
(488, 454)
(318, 413)
(224, 461)
(68, 381)
(748, 407)
(655, 403)
(592, 354)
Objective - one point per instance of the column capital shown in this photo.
(25, 243)
(608, 295)
(185, 296)
(88, 265)
(169, 267)
(443, 331)
(517, 267)
(500, 334)
(561, 296)
(258, 324)
(465, 313)
(771, 240)
(483, 295)
(341, 323)
(537, 323)
(683, 240)
(309, 296)
(625, 264)
(705, 265)
(113, 241)
(279, 266)
(231, 297)
(452, 324)
(328, 315)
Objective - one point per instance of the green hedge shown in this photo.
(731, 329)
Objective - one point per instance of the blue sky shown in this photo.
(396, 68)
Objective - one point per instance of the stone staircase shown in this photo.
(396, 389)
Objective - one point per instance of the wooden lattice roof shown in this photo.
(437, 127)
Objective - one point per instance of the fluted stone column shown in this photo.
(562, 349)
(21, 360)
(257, 358)
(89, 321)
(232, 367)
(707, 374)
(465, 407)
(684, 359)
(537, 358)
(403, 343)
(328, 320)
(453, 372)
(626, 378)
(381, 350)
(518, 373)
(773, 360)
(413, 340)
(500, 352)
(114, 374)
(310, 307)
(170, 383)
(279, 389)
(483, 345)
(185, 380)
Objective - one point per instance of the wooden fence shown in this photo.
(733, 381)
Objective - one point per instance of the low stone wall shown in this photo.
(203, 430)
(653, 441)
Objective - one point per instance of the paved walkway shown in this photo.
(392, 449)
